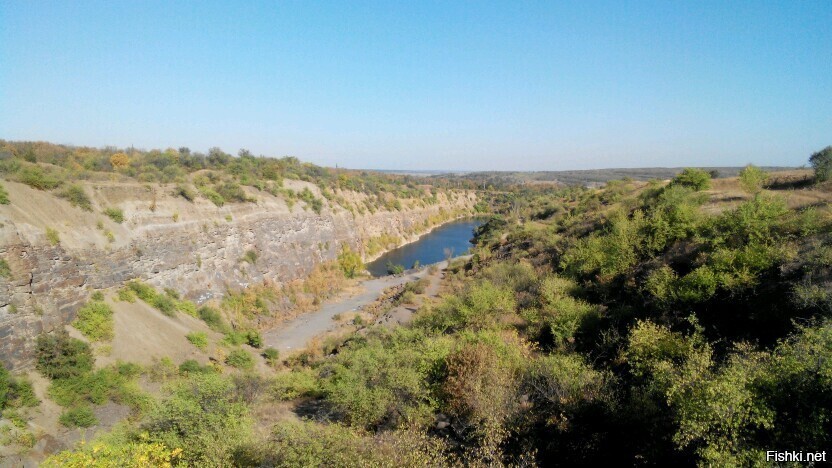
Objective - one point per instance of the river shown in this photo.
(430, 248)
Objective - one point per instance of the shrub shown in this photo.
(193, 367)
(76, 196)
(59, 356)
(298, 383)
(271, 356)
(752, 179)
(95, 321)
(394, 269)
(127, 295)
(184, 192)
(349, 261)
(213, 196)
(81, 416)
(231, 191)
(309, 444)
(35, 177)
(165, 304)
(384, 380)
(4, 196)
(254, 339)
(116, 214)
(240, 359)
(822, 163)
(5, 384)
(213, 319)
(697, 179)
(198, 339)
(52, 237)
(162, 302)
(250, 257)
(5, 269)
(203, 417)
(119, 160)
(115, 453)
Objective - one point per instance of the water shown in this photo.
(430, 248)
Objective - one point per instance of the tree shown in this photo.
(349, 261)
(696, 179)
(119, 160)
(822, 163)
(752, 179)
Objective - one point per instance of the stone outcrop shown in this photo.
(195, 247)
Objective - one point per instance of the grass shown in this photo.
(198, 339)
(76, 196)
(4, 196)
(81, 416)
(162, 302)
(116, 214)
(35, 177)
(52, 237)
(95, 321)
(240, 359)
(5, 269)
(250, 257)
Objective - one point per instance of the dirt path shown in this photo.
(295, 334)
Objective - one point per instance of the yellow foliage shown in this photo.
(119, 160)
(103, 455)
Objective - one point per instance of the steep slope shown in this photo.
(58, 253)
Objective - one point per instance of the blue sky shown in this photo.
(427, 85)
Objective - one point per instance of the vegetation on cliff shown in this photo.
(645, 323)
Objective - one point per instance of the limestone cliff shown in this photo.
(194, 247)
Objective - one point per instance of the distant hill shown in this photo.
(594, 177)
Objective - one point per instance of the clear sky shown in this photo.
(509, 85)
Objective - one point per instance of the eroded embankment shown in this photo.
(58, 254)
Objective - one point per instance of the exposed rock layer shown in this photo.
(195, 247)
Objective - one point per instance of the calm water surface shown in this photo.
(430, 248)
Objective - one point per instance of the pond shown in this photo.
(430, 248)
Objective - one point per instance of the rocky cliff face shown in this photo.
(195, 247)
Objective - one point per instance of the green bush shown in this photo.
(202, 416)
(349, 261)
(5, 384)
(5, 269)
(77, 196)
(184, 192)
(271, 355)
(95, 321)
(240, 359)
(198, 339)
(752, 179)
(822, 163)
(59, 356)
(88, 388)
(250, 256)
(116, 214)
(213, 196)
(309, 444)
(394, 269)
(35, 177)
(81, 416)
(193, 367)
(4, 195)
(384, 379)
(231, 191)
(213, 319)
(162, 302)
(697, 179)
(254, 339)
(52, 237)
